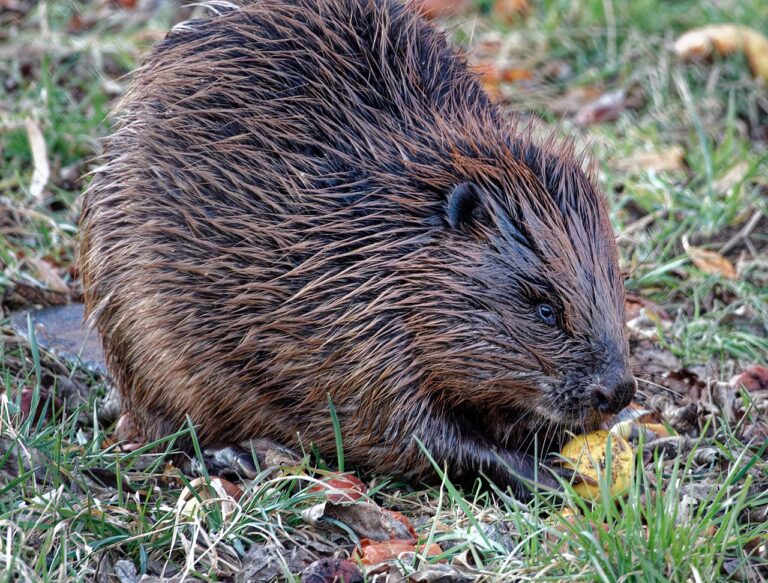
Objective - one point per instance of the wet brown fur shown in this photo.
(269, 227)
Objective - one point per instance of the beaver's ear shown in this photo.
(466, 206)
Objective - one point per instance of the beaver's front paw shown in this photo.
(231, 462)
(244, 460)
(524, 475)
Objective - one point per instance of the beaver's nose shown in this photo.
(612, 398)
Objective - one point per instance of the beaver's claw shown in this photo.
(555, 466)
(231, 462)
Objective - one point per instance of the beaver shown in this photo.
(308, 200)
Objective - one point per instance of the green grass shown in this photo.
(72, 505)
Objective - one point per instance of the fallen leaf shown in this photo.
(375, 552)
(203, 492)
(48, 275)
(402, 519)
(733, 177)
(555, 70)
(511, 11)
(432, 9)
(439, 573)
(27, 400)
(726, 39)
(341, 488)
(492, 75)
(42, 170)
(365, 519)
(332, 571)
(644, 318)
(605, 108)
(574, 100)
(753, 378)
(709, 261)
(271, 561)
(667, 160)
(125, 571)
(635, 305)
(563, 523)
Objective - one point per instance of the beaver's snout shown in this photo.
(613, 397)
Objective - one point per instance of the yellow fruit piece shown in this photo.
(586, 454)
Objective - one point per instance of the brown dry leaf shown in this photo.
(726, 39)
(668, 160)
(710, 261)
(13, 5)
(431, 9)
(375, 552)
(510, 11)
(574, 100)
(754, 378)
(332, 571)
(366, 519)
(635, 304)
(563, 522)
(22, 295)
(733, 177)
(441, 573)
(42, 170)
(28, 397)
(49, 275)
(605, 108)
(644, 318)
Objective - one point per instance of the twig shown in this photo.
(743, 233)
(640, 224)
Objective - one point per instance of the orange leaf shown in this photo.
(511, 10)
(492, 75)
(752, 378)
(431, 9)
(375, 552)
(341, 488)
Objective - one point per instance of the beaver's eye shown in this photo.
(546, 313)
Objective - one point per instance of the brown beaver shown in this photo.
(309, 198)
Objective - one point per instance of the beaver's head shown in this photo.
(532, 289)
